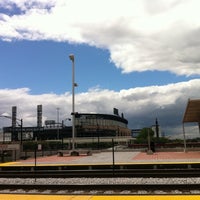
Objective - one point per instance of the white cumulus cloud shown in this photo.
(139, 105)
(140, 35)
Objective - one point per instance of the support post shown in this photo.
(113, 156)
(184, 138)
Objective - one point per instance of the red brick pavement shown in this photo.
(168, 156)
(160, 156)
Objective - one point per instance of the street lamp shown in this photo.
(71, 57)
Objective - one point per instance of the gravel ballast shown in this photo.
(93, 181)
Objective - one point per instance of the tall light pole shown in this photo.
(71, 57)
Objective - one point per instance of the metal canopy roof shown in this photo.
(192, 112)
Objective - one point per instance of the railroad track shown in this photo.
(112, 188)
(102, 189)
(154, 173)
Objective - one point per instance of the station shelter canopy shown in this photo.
(192, 112)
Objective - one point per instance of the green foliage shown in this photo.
(177, 141)
(193, 140)
(29, 146)
(143, 135)
(161, 140)
(54, 145)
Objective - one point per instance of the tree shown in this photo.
(143, 135)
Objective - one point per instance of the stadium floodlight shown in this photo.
(71, 57)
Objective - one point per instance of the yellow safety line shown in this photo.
(89, 197)
(31, 163)
(9, 163)
(93, 164)
(149, 197)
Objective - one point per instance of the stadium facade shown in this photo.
(86, 125)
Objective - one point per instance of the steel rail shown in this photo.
(155, 173)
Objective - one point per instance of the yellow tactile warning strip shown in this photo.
(18, 164)
(88, 197)
(8, 163)
(149, 197)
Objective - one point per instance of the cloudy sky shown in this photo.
(140, 56)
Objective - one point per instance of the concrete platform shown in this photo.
(107, 158)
